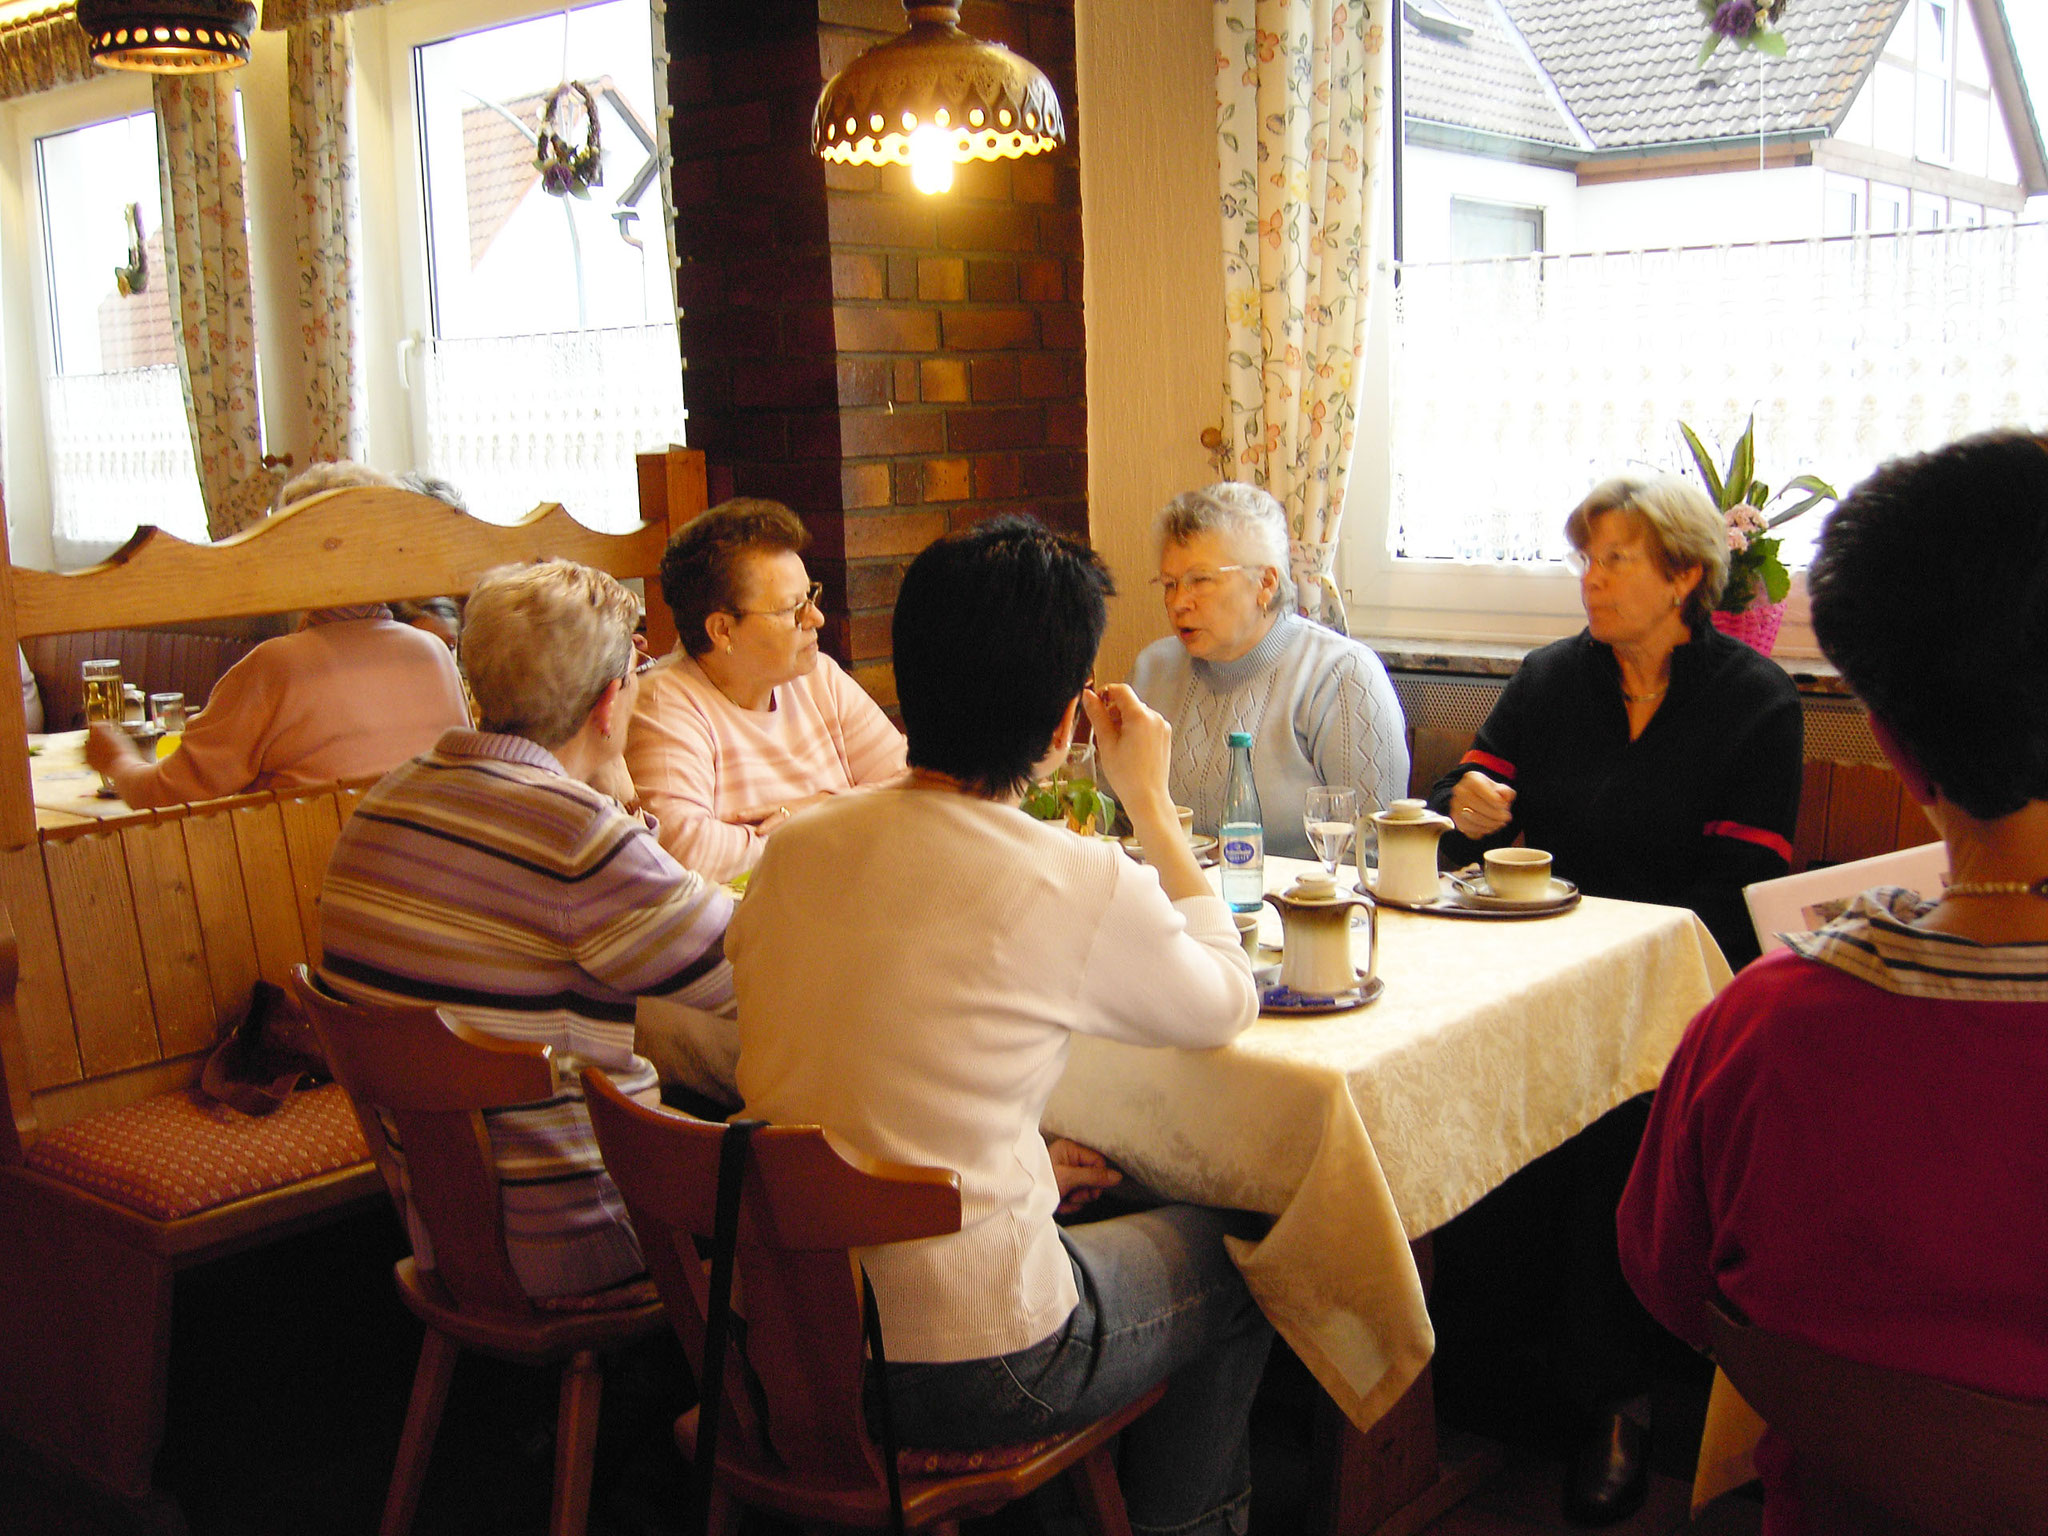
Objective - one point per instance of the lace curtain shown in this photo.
(519, 420)
(118, 443)
(1301, 95)
(1520, 382)
(320, 83)
(206, 252)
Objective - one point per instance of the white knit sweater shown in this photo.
(1319, 708)
(910, 966)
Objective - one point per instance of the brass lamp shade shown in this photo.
(168, 37)
(980, 99)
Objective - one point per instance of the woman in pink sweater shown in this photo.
(747, 723)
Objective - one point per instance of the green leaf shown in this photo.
(1772, 43)
(1704, 463)
(1741, 465)
(1777, 580)
(1707, 49)
(1759, 493)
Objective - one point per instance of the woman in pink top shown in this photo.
(746, 723)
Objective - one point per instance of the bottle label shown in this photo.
(1242, 849)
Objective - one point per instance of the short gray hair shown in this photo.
(434, 486)
(1249, 519)
(331, 475)
(539, 643)
(1684, 528)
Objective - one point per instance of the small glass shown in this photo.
(104, 699)
(167, 714)
(1327, 816)
(1366, 845)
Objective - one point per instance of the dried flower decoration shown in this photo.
(1745, 23)
(567, 171)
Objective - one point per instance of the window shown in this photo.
(1559, 336)
(1480, 230)
(548, 344)
(1932, 139)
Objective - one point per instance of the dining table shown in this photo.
(1493, 1040)
(67, 792)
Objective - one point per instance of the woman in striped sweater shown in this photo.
(493, 877)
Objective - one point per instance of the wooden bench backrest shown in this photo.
(137, 935)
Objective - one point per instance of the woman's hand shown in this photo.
(1133, 743)
(612, 779)
(1480, 806)
(108, 747)
(766, 818)
(1081, 1172)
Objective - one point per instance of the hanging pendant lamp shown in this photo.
(935, 98)
(168, 37)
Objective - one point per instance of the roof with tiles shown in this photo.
(1461, 65)
(1629, 70)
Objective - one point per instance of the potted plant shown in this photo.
(1752, 604)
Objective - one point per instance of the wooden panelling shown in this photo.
(1863, 812)
(1914, 828)
(310, 827)
(167, 919)
(223, 908)
(1431, 754)
(42, 1003)
(1810, 840)
(89, 895)
(272, 892)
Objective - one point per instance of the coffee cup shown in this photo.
(1518, 874)
(1186, 813)
(1248, 933)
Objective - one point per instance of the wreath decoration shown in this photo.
(565, 169)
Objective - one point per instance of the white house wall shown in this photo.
(1729, 207)
(1434, 176)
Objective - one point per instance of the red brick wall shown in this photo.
(891, 365)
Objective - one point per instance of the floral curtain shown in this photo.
(284, 15)
(206, 253)
(42, 52)
(328, 233)
(1301, 96)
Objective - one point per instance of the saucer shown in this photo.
(1479, 894)
(1277, 999)
(1451, 902)
(1200, 843)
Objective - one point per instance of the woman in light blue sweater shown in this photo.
(1318, 704)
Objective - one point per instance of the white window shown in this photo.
(95, 436)
(1844, 199)
(1480, 230)
(545, 325)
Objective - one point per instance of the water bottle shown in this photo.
(1243, 833)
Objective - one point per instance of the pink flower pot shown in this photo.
(1756, 626)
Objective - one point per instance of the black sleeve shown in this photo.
(1497, 753)
(1754, 812)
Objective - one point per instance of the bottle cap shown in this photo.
(1240, 738)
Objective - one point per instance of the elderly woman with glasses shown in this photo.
(1657, 760)
(1318, 706)
(747, 722)
(497, 878)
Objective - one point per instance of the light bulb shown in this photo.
(931, 160)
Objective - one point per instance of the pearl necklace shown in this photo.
(1998, 888)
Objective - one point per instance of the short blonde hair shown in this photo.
(1683, 527)
(332, 475)
(1248, 518)
(539, 643)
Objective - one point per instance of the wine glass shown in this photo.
(1327, 815)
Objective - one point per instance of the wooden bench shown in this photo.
(129, 941)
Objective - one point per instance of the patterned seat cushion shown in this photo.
(919, 1462)
(180, 1153)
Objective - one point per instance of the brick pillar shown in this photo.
(891, 365)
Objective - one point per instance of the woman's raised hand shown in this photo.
(1133, 743)
(1481, 806)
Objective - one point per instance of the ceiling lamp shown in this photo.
(935, 98)
(168, 37)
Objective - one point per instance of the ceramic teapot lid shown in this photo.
(1315, 889)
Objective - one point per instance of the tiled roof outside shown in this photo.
(1483, 81)
(497, 166)
(1627, 68)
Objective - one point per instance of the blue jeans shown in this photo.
(1160, 1301)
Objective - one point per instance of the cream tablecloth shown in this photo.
(1493, 1043)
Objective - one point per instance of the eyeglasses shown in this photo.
(794, 612)
(1612, 562)
(1197, 581)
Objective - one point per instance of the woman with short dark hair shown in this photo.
(747, 722)
(911, 964)
(1849, 1143)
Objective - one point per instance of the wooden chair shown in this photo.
(1891, 1451)
(429, 1079)
(805, 1452)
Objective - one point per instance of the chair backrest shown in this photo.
(1796, 903)
(804, 1203)
(1893, 1450)
(420, 1083)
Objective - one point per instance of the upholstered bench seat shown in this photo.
(178, 1154)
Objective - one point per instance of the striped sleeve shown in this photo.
(648, 925)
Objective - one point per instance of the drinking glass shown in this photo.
(1366, 852)
(167, 713)
(103, 694)
(1327, 815)
(1081, 799)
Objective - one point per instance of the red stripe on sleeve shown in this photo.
(1489, 762)
(1756, 835)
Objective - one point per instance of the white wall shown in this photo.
(1154, 283)
(1728, 207)
(1435, 176)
